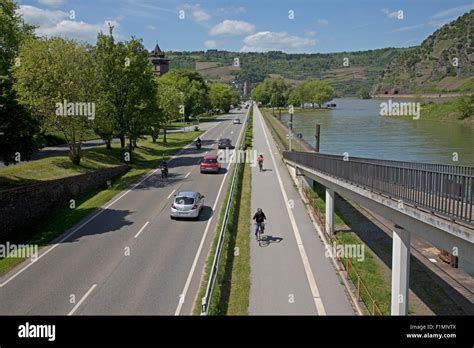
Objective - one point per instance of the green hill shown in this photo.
(363, 70)
(431, 67)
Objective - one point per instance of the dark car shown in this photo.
(224, 143)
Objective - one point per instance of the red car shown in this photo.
(210, 164)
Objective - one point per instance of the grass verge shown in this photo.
(232, 286)
(146, 157)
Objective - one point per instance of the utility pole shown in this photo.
(318, 137)
(290, 129)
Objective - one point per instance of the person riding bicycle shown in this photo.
(259, 219)
(198, 142)
(260, 161)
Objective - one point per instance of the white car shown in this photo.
(236, 120)
(187, 205)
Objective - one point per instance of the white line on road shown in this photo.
(171, 193)
(182, 296)
(141, 229)
(102, 209)
(187, 175)
(82, 299)
(309, 273)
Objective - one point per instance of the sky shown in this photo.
(292, 26)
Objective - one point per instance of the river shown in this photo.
(356, 127)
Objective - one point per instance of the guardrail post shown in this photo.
(329, 211)
(400, 270)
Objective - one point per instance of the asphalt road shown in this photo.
(129, 257)
(290, 274)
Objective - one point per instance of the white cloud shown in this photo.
(231, 10)
(151, 27)
(197, 12)
(230, 27)
(452, 11)
(408, 28)
(390, 14)
(323, 22)
(51, 2)
(272, 41)
(57, 23)
(210, 44)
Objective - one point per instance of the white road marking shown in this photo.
(432, 260)
(309, 273)
(171, 193)
(187, 175)
(102, 209)
(198, 254)
(141, 229)
(82, 300)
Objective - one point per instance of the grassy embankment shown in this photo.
(232, 287)
(146, 157)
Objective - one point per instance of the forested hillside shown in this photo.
(444, 62)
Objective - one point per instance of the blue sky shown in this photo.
(310, 26)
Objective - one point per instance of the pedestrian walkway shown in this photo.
(290, 274)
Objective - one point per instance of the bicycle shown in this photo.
(260, 230)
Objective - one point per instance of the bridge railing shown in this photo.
(442, 189)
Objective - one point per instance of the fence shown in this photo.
(448, 192)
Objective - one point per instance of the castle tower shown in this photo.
(160, 63)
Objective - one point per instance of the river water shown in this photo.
(356, 127)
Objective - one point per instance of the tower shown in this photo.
(160, 63)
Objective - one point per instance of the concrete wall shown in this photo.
(22, 207)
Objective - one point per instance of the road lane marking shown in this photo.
(187, 175)
(102, 209)
(304, 257)
(201, 244)
(141, 229)
(82, 299)
(171, 194)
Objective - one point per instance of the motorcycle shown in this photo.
(164, 171)
(198, 145)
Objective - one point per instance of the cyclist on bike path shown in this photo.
(260, 219)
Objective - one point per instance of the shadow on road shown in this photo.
(267, 240)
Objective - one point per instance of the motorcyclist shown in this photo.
(198, 142)
(259, 219)
(164, 168)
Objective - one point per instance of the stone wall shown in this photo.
(22, 207)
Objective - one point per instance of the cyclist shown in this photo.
(260, 161)
(259, 219)
(198, 143)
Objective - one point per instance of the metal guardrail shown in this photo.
(206, 300)
(443, 189)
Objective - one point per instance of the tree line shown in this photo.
(72, 87)
(276, 93)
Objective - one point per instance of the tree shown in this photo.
(221, 96)
(169, 99)
(316, 91)
(194, 89)
(13, 32)
(465, 106)
(363, 93)
(18, 129)
(126, 89)
(55, 80)
(260, 95)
